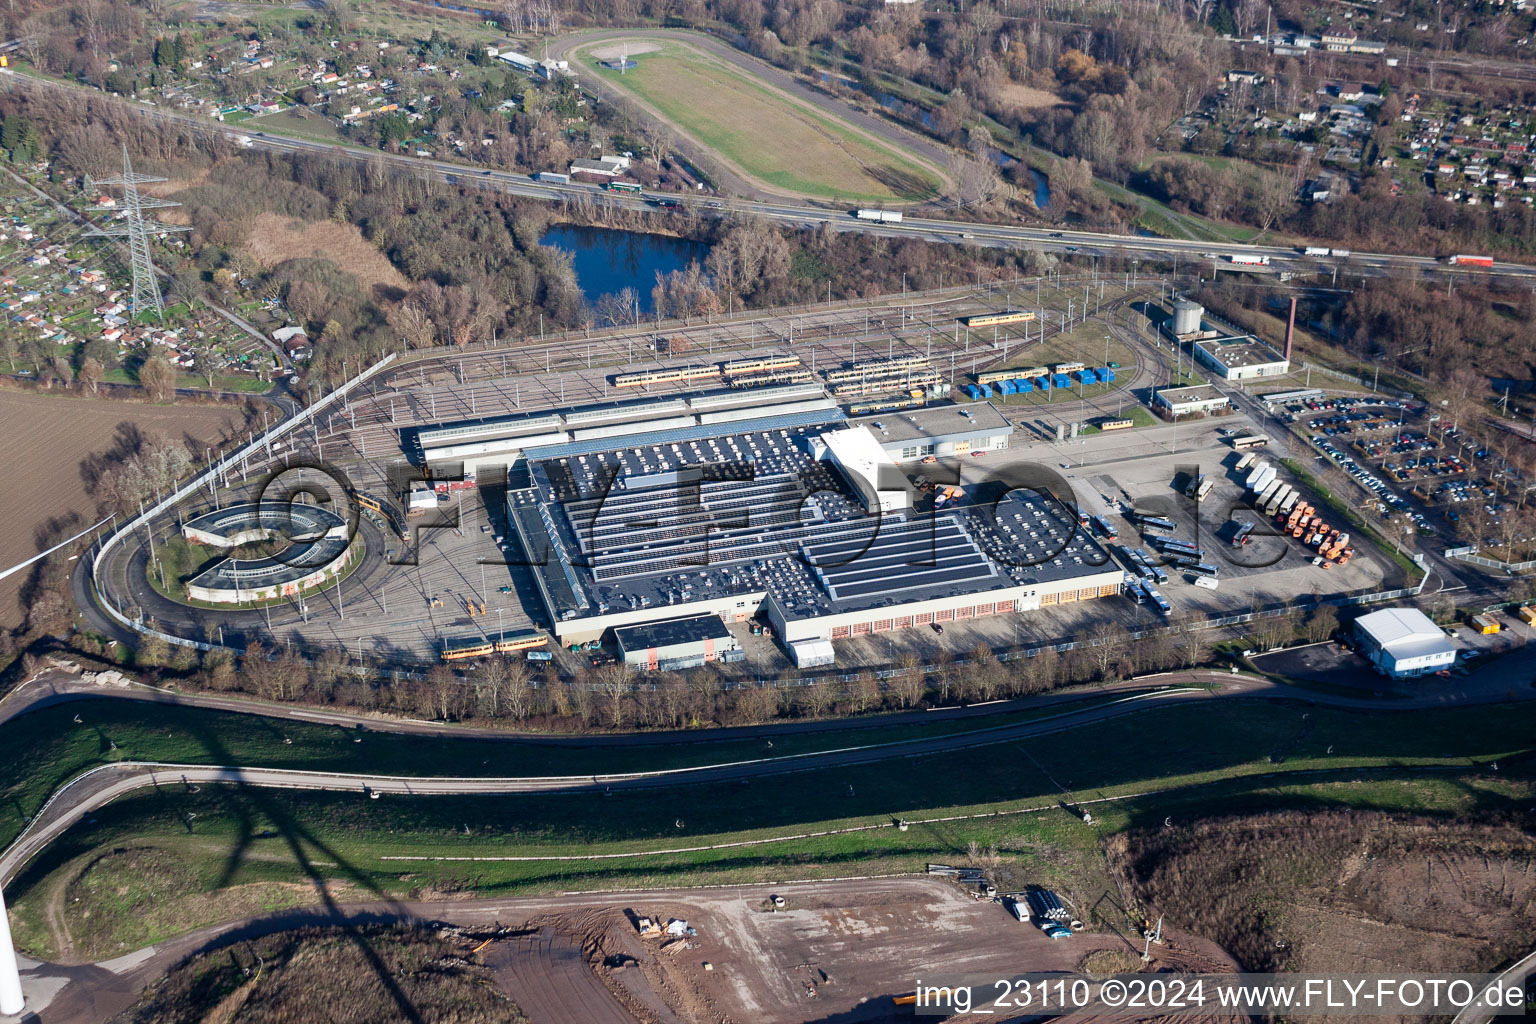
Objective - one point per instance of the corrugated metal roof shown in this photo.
(788, 421)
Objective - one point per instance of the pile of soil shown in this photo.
(1341, 892)
(338, 975)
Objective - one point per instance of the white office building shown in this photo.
(1404, 642)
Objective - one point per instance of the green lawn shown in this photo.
(1189, 760)
(1178, 745)
(291, 122)
(47, 748)
(768, 134)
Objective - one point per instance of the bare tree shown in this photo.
(908, 683)
(1108, 641)
(205, 359)
(1322, 622)
(976, 179)
(414, 324)
(158, 378)
(91, 373)
(614, 684)
(1196, 643)
(490, 682)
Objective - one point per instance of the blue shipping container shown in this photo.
(1060, 380)
(1107, 375)
(1025, 387)
(1043, 383)
(1007, 387)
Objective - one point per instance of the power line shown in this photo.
(146, 286)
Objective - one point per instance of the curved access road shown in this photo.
(1518, 974)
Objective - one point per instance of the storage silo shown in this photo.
(1186, 317)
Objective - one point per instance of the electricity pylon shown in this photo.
(146, 286)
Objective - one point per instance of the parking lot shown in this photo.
(1268, 570)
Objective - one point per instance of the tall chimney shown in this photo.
(1290, 329)
(11, 1003)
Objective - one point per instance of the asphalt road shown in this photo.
(809, 215)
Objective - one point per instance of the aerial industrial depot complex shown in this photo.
(768, 501)
(801, 517)
(816, 508)
(637, 520)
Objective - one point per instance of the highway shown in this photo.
(809, 215)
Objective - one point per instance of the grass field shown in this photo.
(768, 135)
(1186, 760)
(47, 438)
(293, 122)
(50, 747)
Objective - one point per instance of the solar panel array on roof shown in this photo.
(858, 561)
(709, 502)
(790, 421)
(730, 519)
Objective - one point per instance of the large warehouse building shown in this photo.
(1404, 642)
(491, 445)
(785, 516)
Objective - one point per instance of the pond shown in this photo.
(1042, 184)
(607, 261)
(1042, 189)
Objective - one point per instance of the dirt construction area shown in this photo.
(835, 951)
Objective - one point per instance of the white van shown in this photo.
(1203, 582)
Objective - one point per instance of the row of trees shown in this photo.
(609, 698)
